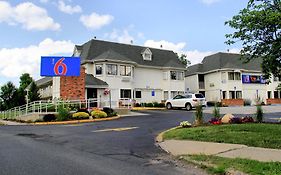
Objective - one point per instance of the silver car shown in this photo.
(187, 101)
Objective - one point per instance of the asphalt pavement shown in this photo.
(124, 146)
(118, 147)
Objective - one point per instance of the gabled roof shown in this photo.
(93, 81)
(97, 49)
(223, 61)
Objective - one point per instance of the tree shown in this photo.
(183, 60)
(33, 94)
(8, 95)
(258, 27)
(25, 80)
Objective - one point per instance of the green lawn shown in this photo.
(257, 135)
(219, 165)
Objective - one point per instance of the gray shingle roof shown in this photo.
(97, 49)
(223, 61)
(93, 81)
(43, 81)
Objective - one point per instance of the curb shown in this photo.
(76, 121)
(146, 108)
(159, 137)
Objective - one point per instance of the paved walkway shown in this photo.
(182, 147)
(5, 122)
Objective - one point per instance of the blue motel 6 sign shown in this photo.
(60, 66)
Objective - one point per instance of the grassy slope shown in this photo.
(244, 165)
(257, 135)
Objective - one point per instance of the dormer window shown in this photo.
(77, 52)
(147, 54)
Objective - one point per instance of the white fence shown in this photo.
(43, 107)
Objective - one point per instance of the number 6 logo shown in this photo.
(59, 64)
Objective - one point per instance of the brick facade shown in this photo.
(273, 101)
(73, 88)
(232, 102)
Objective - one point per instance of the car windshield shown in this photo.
(199, 96)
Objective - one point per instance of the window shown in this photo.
(234, 76)
(111, 69)
(275, 94)
(176, 75)
(166, 95)
(269, 94)
(147, 55)
(99, 69)
(125, 93)
(178, 97)
(199, 96)
(223, 94)
(231, 94)
(238, 94)
(125, 70)
(138, 94)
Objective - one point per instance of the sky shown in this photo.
(35, 28)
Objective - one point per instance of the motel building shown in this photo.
(114, 71)
(223, 77)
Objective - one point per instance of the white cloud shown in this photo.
(195, 56)
(96, 21)
(30, 16)
(120, 36)
(165, 45)
(68, 8)
(16, 61)
(208, 2)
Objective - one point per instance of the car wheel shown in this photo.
(188, 107)
(169, 106)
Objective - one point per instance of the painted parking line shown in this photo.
(116, 129)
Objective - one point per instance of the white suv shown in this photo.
(187, 101)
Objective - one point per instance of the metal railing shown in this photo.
(44, 107)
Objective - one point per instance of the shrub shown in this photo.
(109, 111)
(149, 105)
(215, 121)
(235, 120)
(51, 108)
(214, 103)
(199, 115)
(259, 114)
(63, 113)
(98, 114)
(247, 102)
(155, 104)
(185, 124)
(49, 117)
(216, 111)
(247, 119)
(83, 110)
(162, 105)
(80, 115)
(143, 104)
(137, 105)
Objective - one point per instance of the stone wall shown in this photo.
(232, 102)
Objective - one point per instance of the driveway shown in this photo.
(124, 146)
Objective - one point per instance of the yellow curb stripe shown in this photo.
(76, 121)
(116, 129)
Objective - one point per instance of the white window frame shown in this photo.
(111, 72)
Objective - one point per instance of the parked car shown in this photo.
(187, 101)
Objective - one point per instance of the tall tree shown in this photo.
(183, 59)
(8, 95)
(258, 27)
(33, 94)
(25, 81)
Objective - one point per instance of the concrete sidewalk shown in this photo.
(5, 122)
(185, 147)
